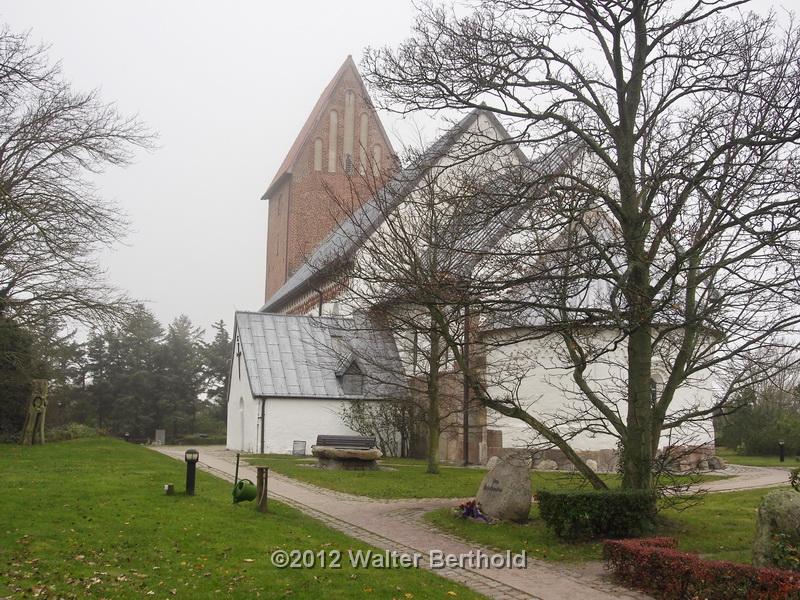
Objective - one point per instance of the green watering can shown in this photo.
(244, 491)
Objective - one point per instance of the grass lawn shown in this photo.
(721, 527)
(730, 456)
(88, 518)
(409, 479)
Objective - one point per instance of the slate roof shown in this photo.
(351, 233)
(289, 356)
(483, 226)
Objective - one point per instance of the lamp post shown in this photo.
(191, 457)
(781, 450)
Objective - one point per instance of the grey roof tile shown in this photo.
(294, 356)
(349, 235)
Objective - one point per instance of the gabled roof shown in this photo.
(317, 113)
(290, 356)
(350, 235)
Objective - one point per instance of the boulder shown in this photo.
(547, 465)
(703, 465)
(347, 459)
(505, 492)
(492, 462)
(716, 463)
(592, 464)
(779, 513)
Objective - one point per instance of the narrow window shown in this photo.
(349, 123)
(363, 132)
(656, 387)
(333, 133)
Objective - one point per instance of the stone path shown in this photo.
(745, 478)
(397, 525)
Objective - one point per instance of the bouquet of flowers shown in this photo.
(471, 510)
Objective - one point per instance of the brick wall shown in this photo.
(315, 200)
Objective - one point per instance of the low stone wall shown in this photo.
(602, 461)
(683, 459)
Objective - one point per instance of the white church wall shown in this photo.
(548, 391)
(287, 419)
(291, 419)
(242, 422)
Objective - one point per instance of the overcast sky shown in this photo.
(227, 86)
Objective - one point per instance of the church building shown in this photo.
(298, 363)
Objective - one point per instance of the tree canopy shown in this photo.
(678, 230)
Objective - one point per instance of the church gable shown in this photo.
(341, 144)
(475, 128)
(342, 134)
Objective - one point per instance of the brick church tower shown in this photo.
(341, 152)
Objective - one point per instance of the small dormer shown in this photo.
(350, 376)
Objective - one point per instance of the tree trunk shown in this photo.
(638, 443)
(433, 403)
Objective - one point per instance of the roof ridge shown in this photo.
(403, 180)
(275, 314)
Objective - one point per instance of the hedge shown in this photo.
(598, 513)
(655, 566)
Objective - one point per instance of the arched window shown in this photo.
(318, 154)
(333, 135)
(363, 140)
(349, 128)
(278, 210)
(656, 386)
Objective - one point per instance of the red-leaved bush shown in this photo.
(654, 565)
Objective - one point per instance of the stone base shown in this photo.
(346, 459)
(681, 459)
(603, 461)
(685, 459)
(343, 464)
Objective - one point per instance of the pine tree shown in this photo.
(216, 366)
(183, 370)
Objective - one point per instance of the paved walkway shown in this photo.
(746, 478)
(397, 525)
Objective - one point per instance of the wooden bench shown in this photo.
(354, 442)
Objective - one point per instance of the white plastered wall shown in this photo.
(547, 392)
(242, 425)
(299, 419)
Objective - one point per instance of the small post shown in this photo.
(169, 489)
(262, 485)
(191, 457)
(781, 450)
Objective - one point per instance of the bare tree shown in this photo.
(52, 222)
(395, 261)
(678, 236)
